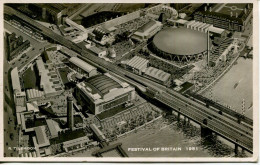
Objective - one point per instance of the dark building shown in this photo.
(15, 45)
(52, 12)
(70, 117)
(233, 17)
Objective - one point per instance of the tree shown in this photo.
(11, 136)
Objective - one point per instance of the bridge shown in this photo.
(238, 133)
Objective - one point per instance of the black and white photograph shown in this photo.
(129, 81)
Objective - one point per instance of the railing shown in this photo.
(219, 128)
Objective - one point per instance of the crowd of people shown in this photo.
(123, 47)
(133, 25)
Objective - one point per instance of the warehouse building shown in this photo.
(158, 75)
(137, 64)
(147, 31)
(82, 67)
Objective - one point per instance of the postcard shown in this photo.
(141, 81)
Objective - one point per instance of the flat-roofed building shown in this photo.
(41, 136)
(33, 107)
(103, 92)
(19, 95)
(76, 143)
(98, 52)
(41, 142)
(15, 80)
(235, 19)
(137, 64)
(49, 81)
(34, 94)
(147, 30)
(53, 130)
(82, 67)
(158, 75)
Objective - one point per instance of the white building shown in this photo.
(82, 67)
(103, 92)
(147, 31)
(137, 64)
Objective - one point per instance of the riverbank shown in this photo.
(234, 86)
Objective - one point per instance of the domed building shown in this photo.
(180, 44)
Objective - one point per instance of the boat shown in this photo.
(236, 84)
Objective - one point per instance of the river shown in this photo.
(226, 92)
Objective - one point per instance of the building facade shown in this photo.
(82, 67)
(103, 92)
(231, 21)
(147, 31)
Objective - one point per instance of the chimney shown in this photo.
(70, 115)
(231, 14)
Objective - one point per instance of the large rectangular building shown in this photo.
(103, 92)
(158, 75)
(82, 67)
(226, 16)
(49, 80)
(147, 30)
(137, 64)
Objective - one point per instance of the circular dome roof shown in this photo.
(181, 41)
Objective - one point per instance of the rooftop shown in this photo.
(75, 141)
(138, 63)
(41, 136)
(15, 80)
(103, 87)
(216, 30)
(180, 41)
(96, 50)
(146, 26)
(82, 64)
(32, 106)
(157, 73)
(53, 130)
(102, 84)
(46, 81)
(68, 135)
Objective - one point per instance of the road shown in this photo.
(9, 117)
(37, 47)
(197, 112)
